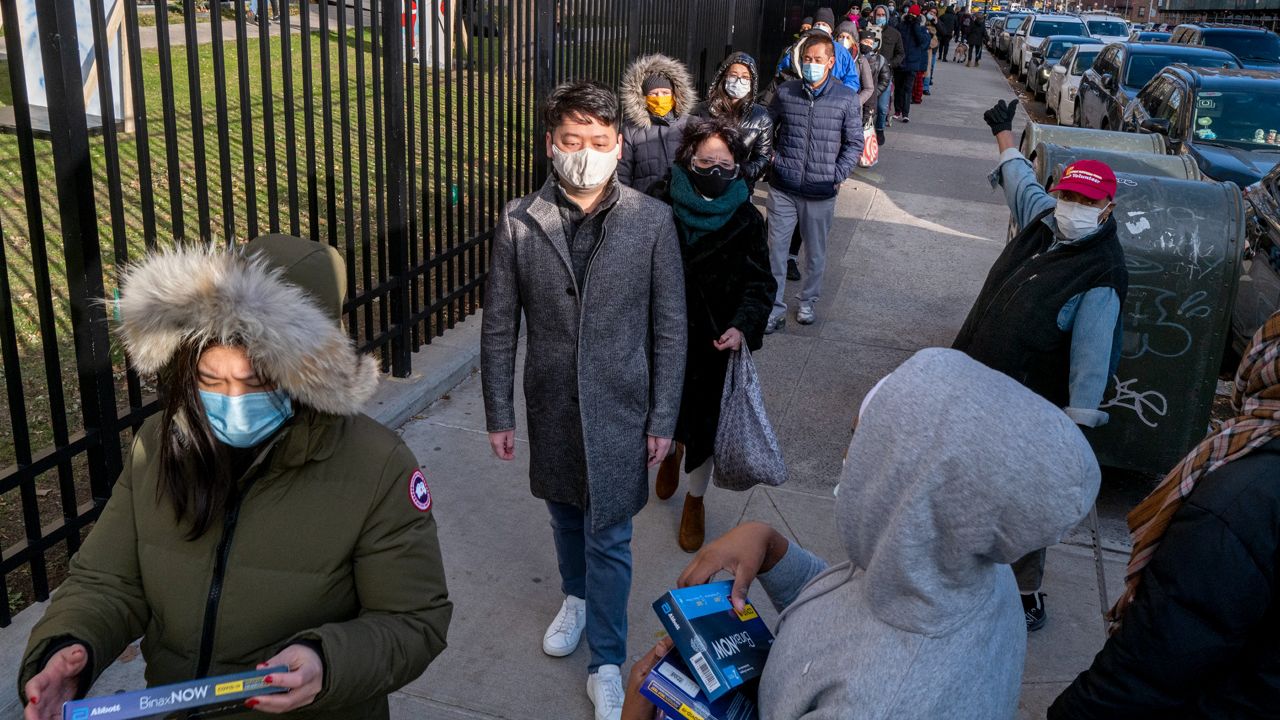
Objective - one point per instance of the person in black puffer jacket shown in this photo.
(817, 145)
(915, 40)
(1199, 620)
(732, 99)
(658, 96)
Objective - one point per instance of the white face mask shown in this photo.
(847, 43)
(586, 168)
(1075, 220)
(737, 88)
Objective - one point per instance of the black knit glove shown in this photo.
(1000, 116)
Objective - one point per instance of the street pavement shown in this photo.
(912, 241)
(911, 244)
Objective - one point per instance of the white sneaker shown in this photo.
(604, 687)
(565, 631)
(805, 315)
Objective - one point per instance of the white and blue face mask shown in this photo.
(813, 72)
(243, 421)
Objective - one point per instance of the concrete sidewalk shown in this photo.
(911, 244)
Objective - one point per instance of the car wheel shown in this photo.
(1106, 124)
(1076, 118)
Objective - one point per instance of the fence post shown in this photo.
(633, 31)
(393, 114)
(544, 79)
(69, 137)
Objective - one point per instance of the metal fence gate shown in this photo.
(391, 129)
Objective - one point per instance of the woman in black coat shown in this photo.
(729, 289)
(732, 99)
(1198, 626)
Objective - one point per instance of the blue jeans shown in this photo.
(596, 566)
(882, 107)
(928, 77)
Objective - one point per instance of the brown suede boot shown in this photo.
(693, 525)
(669, 474)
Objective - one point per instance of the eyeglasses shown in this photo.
(708, 164)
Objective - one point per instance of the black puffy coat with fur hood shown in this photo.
(649, 142)
(753, 120)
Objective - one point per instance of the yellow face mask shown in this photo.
(660, 105)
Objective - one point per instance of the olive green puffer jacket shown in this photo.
(327, 546)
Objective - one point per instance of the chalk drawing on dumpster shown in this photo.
(1141, 403)
(1156, 318)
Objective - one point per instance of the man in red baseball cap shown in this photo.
(1049, 312)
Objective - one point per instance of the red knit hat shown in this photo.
(1093, 179)
(914, 10)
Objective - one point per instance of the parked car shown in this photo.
(1258, 295)
(993, 30)
(1149, 36)
(1064, 81)
(1121, 70)
(1033, 32)
(1045, 57)
(1005, 37)
(1256, 47)
(1107, 28)
(1228, 121)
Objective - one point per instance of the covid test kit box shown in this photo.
(204, 698)
(671, 689)
(723, 648)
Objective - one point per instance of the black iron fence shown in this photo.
(391, 129)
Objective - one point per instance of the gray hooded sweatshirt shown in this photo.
(954, 471)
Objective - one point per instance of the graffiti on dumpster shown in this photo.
(1141, 403)
(1179, 238)
(1156, 320)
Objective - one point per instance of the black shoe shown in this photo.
(879, 137)
(906, 119)
(793, 270)
(1033, 609)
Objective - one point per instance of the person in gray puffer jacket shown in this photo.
(954, 471)
(658, 97)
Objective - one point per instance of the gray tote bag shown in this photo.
(747, 451)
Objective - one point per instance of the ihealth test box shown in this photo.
(674, 692)
(722, 648)
(209, 694)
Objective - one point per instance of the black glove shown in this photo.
(1000, 116)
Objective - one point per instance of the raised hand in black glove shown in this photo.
(1000, 116)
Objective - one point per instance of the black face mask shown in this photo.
(712, 182)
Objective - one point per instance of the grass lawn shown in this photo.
(476, 147)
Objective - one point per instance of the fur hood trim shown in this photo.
(218, 296)
(634, 108)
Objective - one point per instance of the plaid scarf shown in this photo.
(1257, 402)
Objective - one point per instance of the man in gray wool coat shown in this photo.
(595, 268)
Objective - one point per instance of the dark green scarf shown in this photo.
(698, 215)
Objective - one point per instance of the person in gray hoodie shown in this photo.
(954, 471)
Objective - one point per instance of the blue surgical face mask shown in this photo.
(882, 21)
(243, 421)
(813, 72)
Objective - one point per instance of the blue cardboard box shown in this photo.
(670, 688)
(210, 694)
(724, 649)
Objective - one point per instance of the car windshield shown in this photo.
(1248, 46)
(1245, 118)
(1084, 61)
(1112, 28)
(1058, 48)
(1011, 24)
(1045, 28)
(1143, 67)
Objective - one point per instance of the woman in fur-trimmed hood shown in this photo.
(658, 97)
(260, 520)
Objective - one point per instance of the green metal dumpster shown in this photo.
(1183, 240)
(1036, 133)
(1049, 155)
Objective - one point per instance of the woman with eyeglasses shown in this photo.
(729, 289)
(732, 99)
